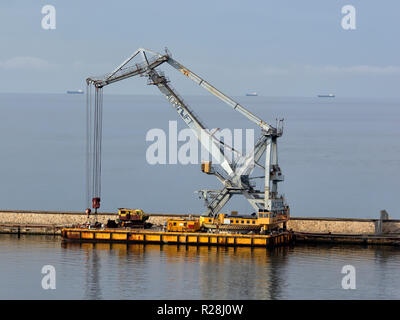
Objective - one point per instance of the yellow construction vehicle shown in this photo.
(183, 225)
(130, 218)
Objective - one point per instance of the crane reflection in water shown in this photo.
(181, 272)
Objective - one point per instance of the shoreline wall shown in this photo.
(58, 219)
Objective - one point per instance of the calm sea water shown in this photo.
(340, 157)
(118, 271)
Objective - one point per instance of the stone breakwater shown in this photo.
(51, 222)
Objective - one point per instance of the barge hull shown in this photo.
(160, 237)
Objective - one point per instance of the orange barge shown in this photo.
(180, 238)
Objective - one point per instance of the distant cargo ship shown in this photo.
(331, 95)
(252, 94)
(75, 91)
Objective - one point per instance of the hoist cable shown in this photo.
(94, 119)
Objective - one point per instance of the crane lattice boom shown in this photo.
(235, 176)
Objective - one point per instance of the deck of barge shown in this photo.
(162, 237)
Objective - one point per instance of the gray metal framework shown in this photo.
(235, 175)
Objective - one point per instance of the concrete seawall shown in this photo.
(65, 218)
(51, 222)
(334, 225)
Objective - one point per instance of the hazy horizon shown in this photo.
(280, 49)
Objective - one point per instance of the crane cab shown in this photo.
(272, 219)
(206, 167)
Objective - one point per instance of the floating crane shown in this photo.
(234, 175)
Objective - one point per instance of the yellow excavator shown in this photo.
(130, 218)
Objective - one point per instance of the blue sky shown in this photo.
(277, 48)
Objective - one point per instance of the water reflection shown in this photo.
(130, 271)
(207, 272)
(92, 276)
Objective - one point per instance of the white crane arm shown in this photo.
(235, 105)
